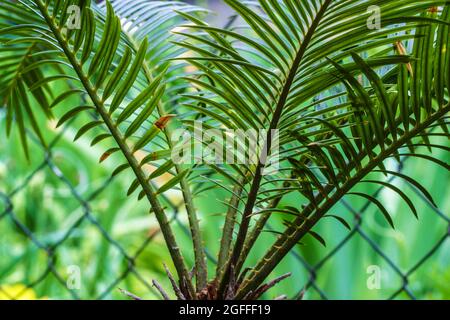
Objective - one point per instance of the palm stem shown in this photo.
(228, 228)
(201, 270)
(256, 232)
(246, 217)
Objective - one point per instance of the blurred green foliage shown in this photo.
(44, 202)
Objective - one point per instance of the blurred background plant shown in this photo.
(61, 209)
(66, 201)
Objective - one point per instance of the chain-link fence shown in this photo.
(358, 231)
(51, 249)
(126, 263)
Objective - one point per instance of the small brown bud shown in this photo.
(162, 122)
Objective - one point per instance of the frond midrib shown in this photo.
(200, 256)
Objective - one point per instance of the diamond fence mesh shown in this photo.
(358, 231)
(46, 251)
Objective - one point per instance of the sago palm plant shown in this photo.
(334, 88)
